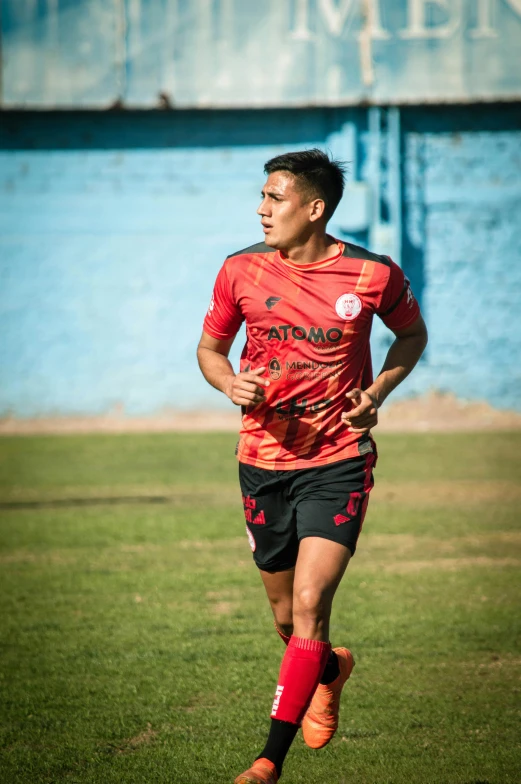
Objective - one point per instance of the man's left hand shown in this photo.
(364, 415)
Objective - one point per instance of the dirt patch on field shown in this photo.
(401, 544)
(438, 412)
(434, 412)
(131, 744)
(407, 553)
(48, 558)
(223, 608)
(448, 564)
(388, 553)
(445, 493)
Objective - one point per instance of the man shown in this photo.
(308, 402)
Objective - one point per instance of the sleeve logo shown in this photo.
(410, 295)
(211, 305)
(348, 306)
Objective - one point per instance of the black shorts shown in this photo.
(283, 507)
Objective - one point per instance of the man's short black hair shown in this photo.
(319, 175)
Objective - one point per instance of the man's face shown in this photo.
(288, 219)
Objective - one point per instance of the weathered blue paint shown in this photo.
(464, 190)
(113, 227)
(240, 53)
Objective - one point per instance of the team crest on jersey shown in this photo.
(348, 306)
(251, 540)
(274, 369)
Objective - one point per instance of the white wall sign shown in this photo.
(240, 53)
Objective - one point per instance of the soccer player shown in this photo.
(308, 403)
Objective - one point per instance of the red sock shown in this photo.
(300, 672)
(284, 637)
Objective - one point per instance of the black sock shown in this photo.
(279, 740)
(332, 670)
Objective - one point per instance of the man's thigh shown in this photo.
(331, 501)
(270, 518)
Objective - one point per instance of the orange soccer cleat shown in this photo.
(321, 720)
(261, 772)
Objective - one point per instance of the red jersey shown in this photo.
(309, 324)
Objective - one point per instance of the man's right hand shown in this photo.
(247, 388)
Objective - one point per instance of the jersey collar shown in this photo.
(314, 265)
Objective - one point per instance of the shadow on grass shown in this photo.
(72, 502)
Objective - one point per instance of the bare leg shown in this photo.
(320, 567)
(301, 598)
(279, 588)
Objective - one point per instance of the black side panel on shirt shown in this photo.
(260, 247)
(357, 252)
(397, 302)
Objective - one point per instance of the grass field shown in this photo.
(137, 645)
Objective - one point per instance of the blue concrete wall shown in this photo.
(467, 181)
(113, 227)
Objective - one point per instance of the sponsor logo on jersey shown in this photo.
(211, 305)
(272, 301)
(251, 540)
(313, 364)
(312, 335)
(313, 369)
(348, 306)
(274, 369)
(297, 407)
(276, 701)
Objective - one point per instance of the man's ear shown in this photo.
(318, 207)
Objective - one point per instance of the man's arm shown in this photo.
(243, 389)
(401, 358)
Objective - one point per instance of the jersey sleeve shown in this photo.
(398, 306)
(224, 317)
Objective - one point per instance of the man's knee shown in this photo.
(310, 603)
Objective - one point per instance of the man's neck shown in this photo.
(317, 247)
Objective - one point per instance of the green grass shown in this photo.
(137, 644)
